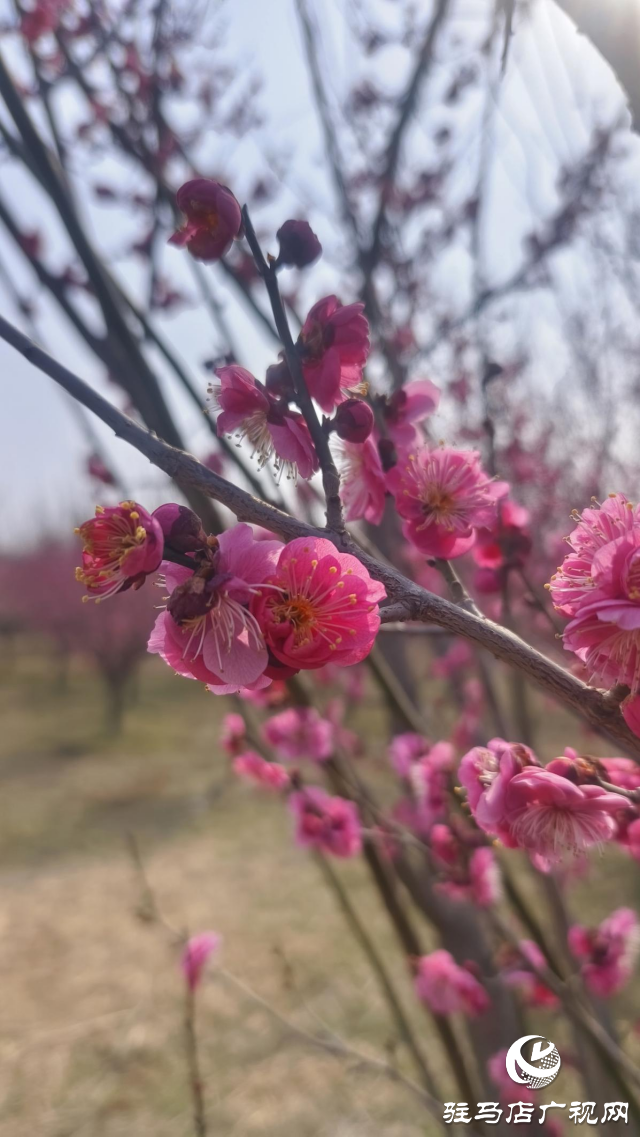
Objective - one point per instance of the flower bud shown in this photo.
(196, 954)
(299, 245)
(181, 527)
(353, 421)
(278, 380)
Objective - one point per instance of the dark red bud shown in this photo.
(299, 245)
(278, 381)
(353, 421)
(181, 527)
(388, 454)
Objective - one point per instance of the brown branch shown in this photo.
(320, 439)
(409, 602)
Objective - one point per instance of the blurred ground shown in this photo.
(90, 1029)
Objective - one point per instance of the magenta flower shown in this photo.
(405, 749)
(318, 606)
(444, 496)
(255, 769)
(195, 955)
(206, 631)
(486, 772)
(363, 486)
(182, 528)
(233, 734)
(300, 732)
(549, 815)
(353, 421)
(607, 954)
(249, 411)
(411, 404)
(330, 824)
(212, 219)
(507, 543)
(446, 988)
(572, 585)
(334, 345)
(122, 545)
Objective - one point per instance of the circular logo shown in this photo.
(522, 1070)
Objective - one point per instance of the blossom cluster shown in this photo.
(240, 611)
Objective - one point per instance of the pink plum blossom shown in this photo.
(334, 345)
(444, 496)
(549, 815)
(330, 824)
(206, 631)
(518, 972)
(508, 1091)
(274, 431)
(470, 874)
(212, 219)
(447, 988)
(233, 734)
(253, 768)
(486, 772)
(405, 749)
(363, 487)
(195, 955)
(121, 546)
(607, 954)
(318, 606)
(300, 732)
(505, 545)
(408, 406)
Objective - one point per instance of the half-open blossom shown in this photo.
(206, 631)
(334, 345)
(608, 953)
(300, 732)
(195, 955)
(549, 815)
(330, 824)
(408, 406)
(181, 527)
(447, 988)
(212, 219)
(443, 495)
(255, 769)
(122, 545)
(319, 606)
(233, 734)
(249, 411)
(363, 487)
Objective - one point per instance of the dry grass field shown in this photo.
(91, 996)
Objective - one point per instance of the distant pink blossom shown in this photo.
(330, 824)
(206, 631)
(249, 411)
(519, 973)
(607, 954)
(408, 406)
(233, 734)
(195, 955)
(405, 749)
(253, 768)
(447, 988)
(318, 606)
(363, 487)
(507, 543)
(455, 659)
(97, 469)
(121, 546)
(468, 874)
(334, 345)
(508, 1091)
(444, 496)
(300, 732)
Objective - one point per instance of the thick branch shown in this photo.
(409, 600)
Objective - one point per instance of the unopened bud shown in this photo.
(353, 421)
(278, 381)
(182, 528)
(299, 245)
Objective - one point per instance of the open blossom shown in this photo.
(300, 732)
(447, 988)
(122, 545)
(195, 955)
(408, 406)
(572, 584)
(253, 768)
(485, 773)
(608, 953)
(334, 345)
(549, 815)
(206, 631)
(443, 495)
(249, 411)
(318, 606)
(330, 824)
(212, 219)
(363, 486)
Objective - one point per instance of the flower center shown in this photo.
(437, 502)
(296, 610)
